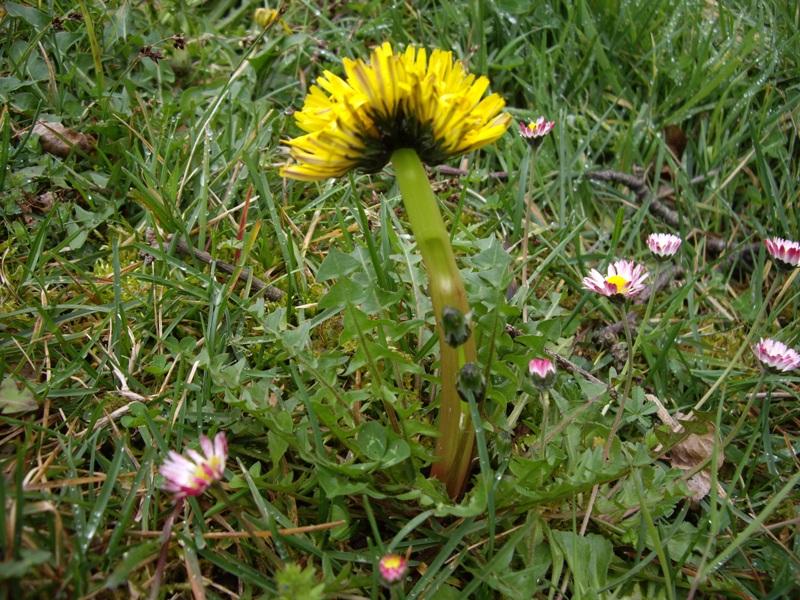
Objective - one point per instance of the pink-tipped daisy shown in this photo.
(776, 355)
(535, 131)
(663, 244)
(542, 372)
(786, 251)
(625, 279)
(392, 567)
(191, 476)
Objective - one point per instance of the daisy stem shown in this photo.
(166, 534)
(526, 228)
(545, 418)
(628, 370)
(454, 446)
(645, 319)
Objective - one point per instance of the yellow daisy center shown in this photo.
(619, 282)
(202, 470)
(392, 562)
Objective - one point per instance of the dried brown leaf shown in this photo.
(676, 140)
(699, 485)
(692, 451)
(60, 141)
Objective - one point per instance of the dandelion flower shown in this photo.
(786, 251)
(410, 108)
(428, 103)
(191, 476)
(265, 17)
(542, 372)
(392, 567)
(625, 279)
(776, 355)
(535, 131)
(663, 244)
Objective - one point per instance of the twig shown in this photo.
(745, 257)
(659, 209)
(639, 187)
(271, 292)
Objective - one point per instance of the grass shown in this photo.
(114, 350)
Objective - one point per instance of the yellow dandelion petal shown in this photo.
(266, 16)
(427, 102)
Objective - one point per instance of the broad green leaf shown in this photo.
(14, 400)
(588, 558)
(372, 440)
(336, 264)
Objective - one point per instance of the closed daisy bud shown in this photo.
(776, 355)
(393, 568)
(624, 279)
(663, 244)
(786, 251)
(542, 372)
(191, 475)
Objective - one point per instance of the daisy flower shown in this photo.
(786, 251)
(412, 99)
(663, 244)
(535, 131)
(625, 278)
(191, 475)
(392, 567)
(776, 355)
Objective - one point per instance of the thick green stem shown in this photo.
(455, 444)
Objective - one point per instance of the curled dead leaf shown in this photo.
(60, 141)
(690, 452)
(676, 140)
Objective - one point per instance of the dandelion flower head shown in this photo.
(427, 102)
(266, 16)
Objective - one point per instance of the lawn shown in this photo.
(161, 281)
